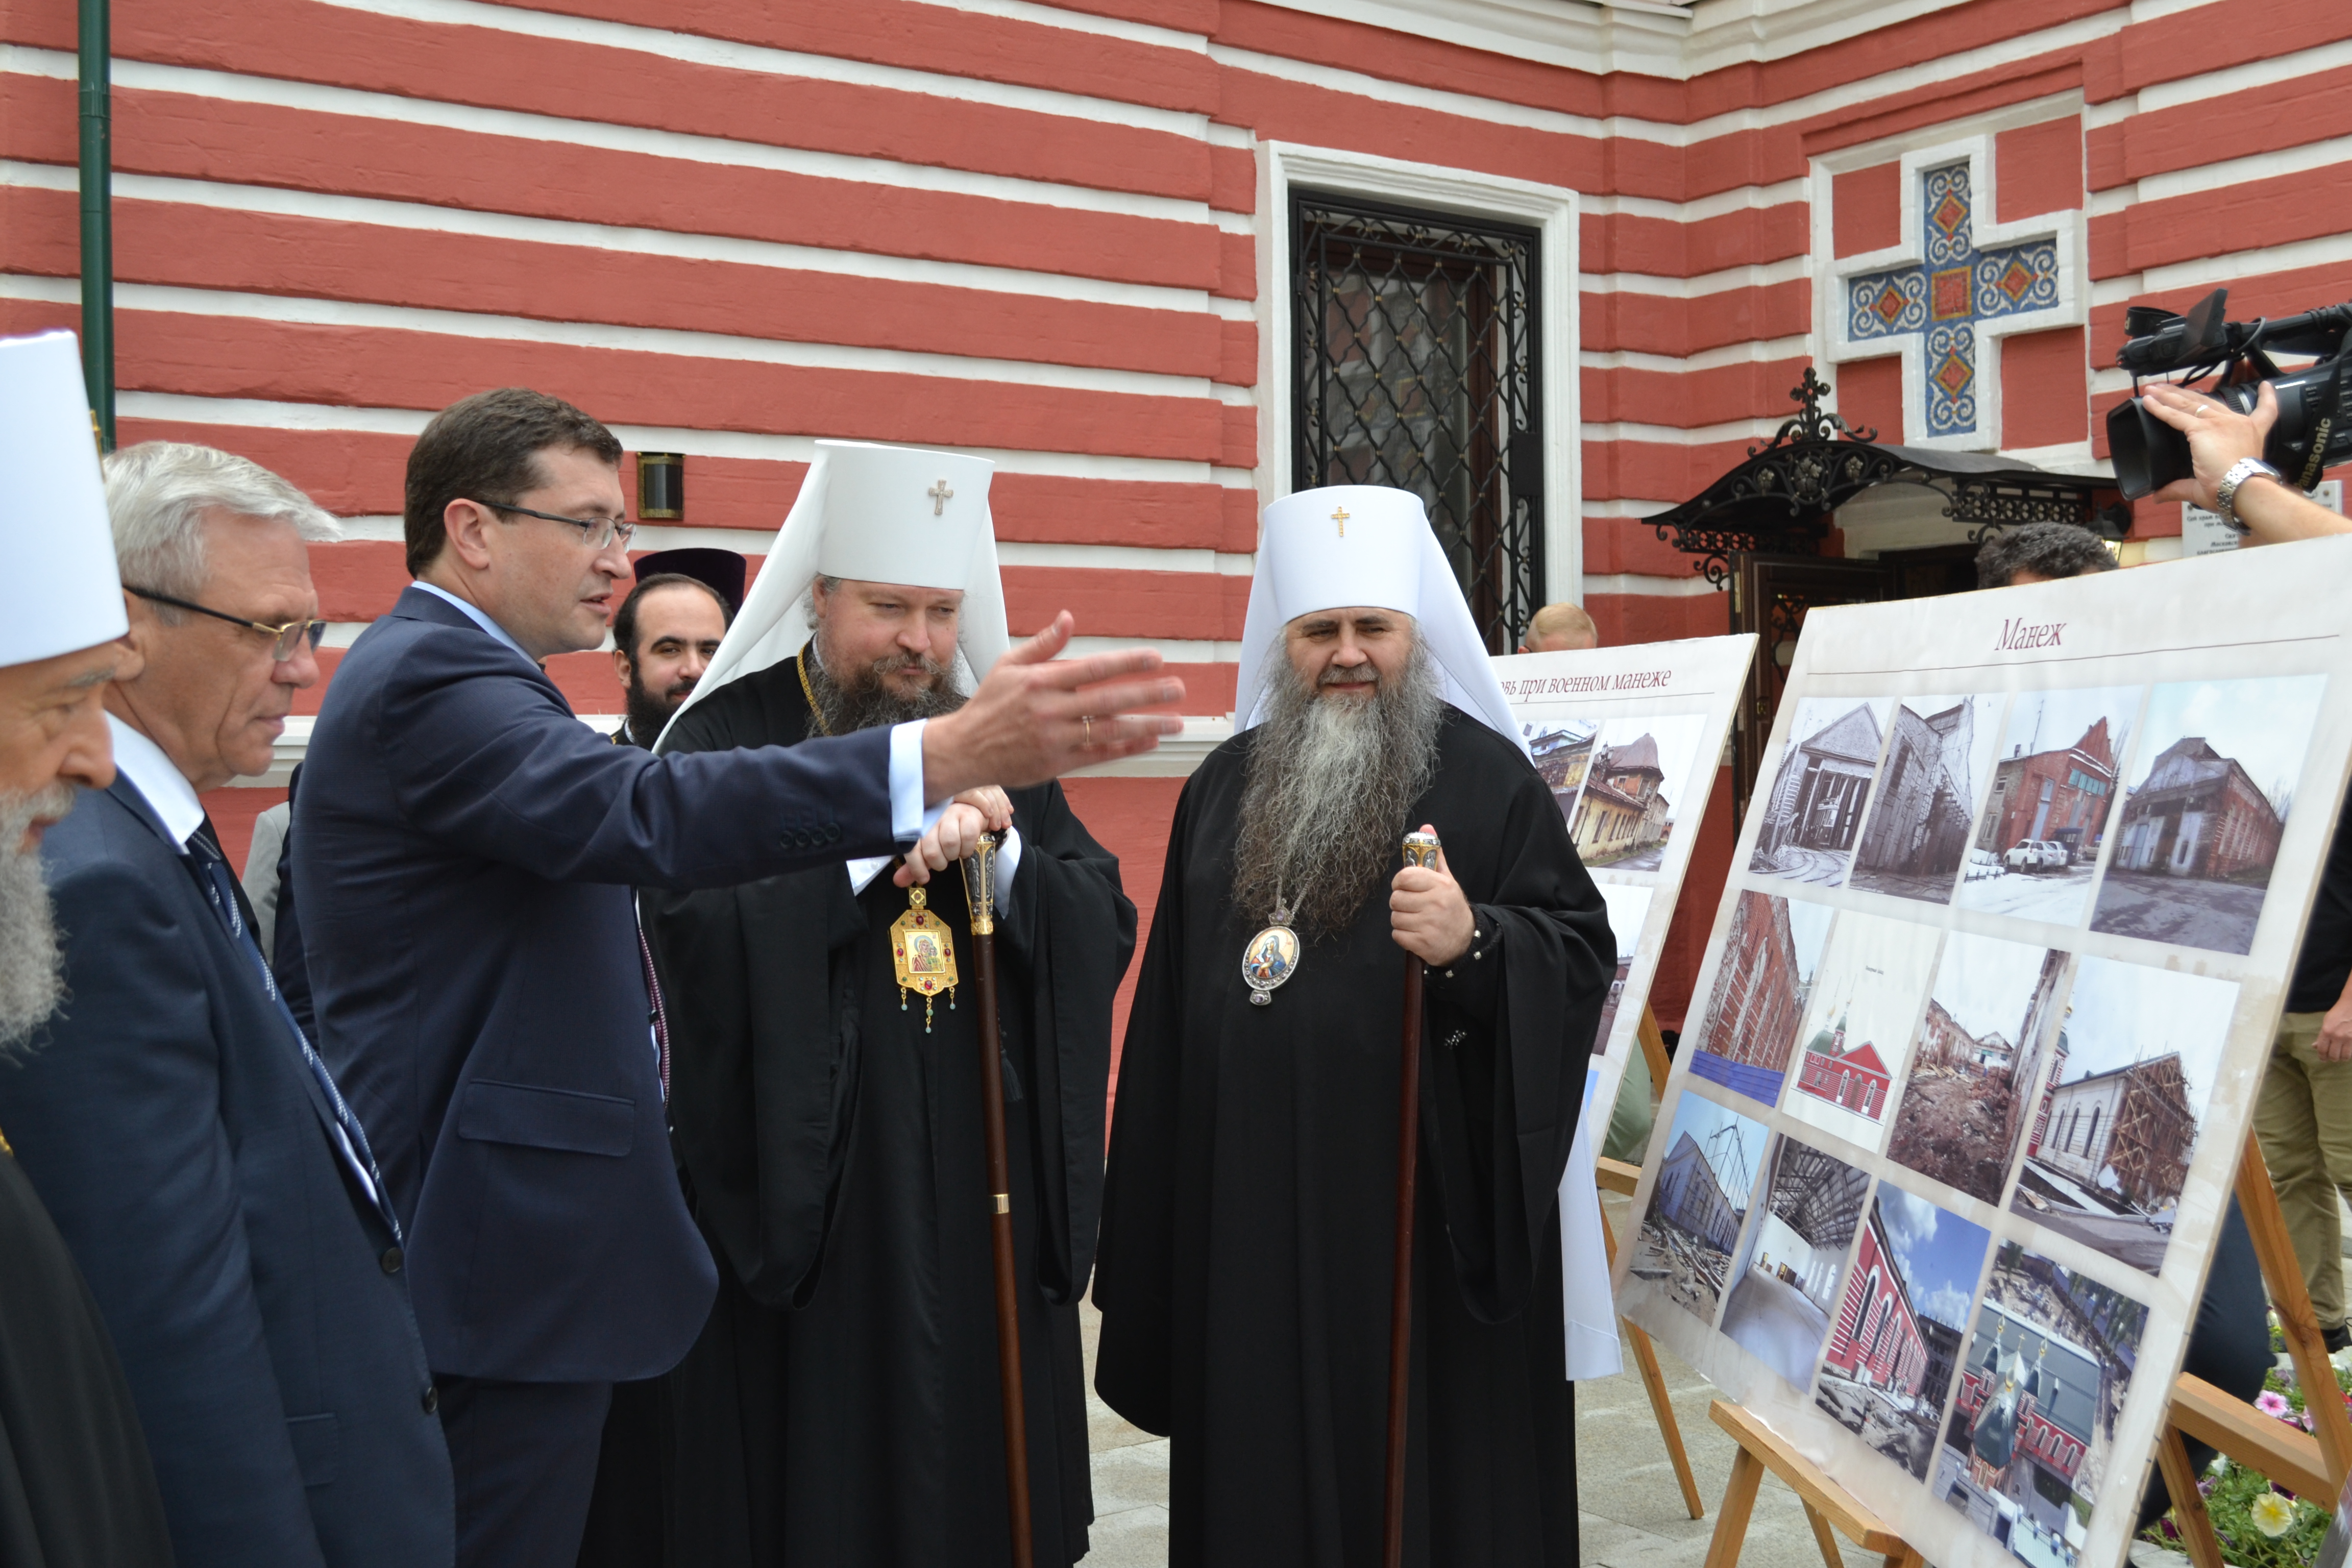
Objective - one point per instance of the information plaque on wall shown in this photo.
(1975, 1049)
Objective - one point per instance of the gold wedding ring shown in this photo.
(1087, 726)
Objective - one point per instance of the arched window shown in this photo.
(2091, 1138)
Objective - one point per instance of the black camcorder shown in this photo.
(2314, 417)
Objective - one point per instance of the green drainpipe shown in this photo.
(97, 219)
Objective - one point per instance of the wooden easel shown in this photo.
(1620, 1177)
(2310, 1464)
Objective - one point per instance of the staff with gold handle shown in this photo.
(980, 892)
(1420, 850)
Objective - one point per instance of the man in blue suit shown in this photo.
(220, 1194)
(464, 851)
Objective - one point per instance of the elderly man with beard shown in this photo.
(843, 1406)
(1246, 1247)
(77, 1489)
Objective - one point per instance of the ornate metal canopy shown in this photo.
(1782, 500)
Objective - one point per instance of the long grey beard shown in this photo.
(868, 701)
(32, 968)
(1329, 783)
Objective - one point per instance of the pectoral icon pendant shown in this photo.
(922, 951)
(1270, 958)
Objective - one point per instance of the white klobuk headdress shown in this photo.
(59, 545)
(873, 514)
(1364, 545)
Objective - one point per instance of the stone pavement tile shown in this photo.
(1132, 1538)
(1135, 1476)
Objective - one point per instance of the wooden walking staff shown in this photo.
(980, 892)
(1420, 850)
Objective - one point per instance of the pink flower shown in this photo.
(2270, 1402)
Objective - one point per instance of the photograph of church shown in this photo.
(1858, 1026)
(1697, 1205)
(1758, 1001)
(1787, 1273)
(1900, 1326)
(2201, 823)
(1815, 805)
(2124, 1096)
(2043, 1383)
(1977, 1063)
(1916, 835)
(2037, 841)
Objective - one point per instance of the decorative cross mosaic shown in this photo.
(1944, 299)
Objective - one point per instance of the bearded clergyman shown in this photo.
(1246, 1252)
(843, 1404)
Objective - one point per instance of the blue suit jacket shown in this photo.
(464, 853)
(181, 1144)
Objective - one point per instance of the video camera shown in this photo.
(2314, 417)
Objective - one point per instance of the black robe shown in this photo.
(1247, 1252)
(843, 1406)
(77, 1490)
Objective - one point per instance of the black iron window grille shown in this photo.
(1418, 364)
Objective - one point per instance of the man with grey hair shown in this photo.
(77, 1490)
(1245, 1263)
(221, 1197)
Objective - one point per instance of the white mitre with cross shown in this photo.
(1346, 545)
(873, 514)
(60, 544)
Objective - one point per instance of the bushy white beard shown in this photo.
(32, 968)
(1330, 780)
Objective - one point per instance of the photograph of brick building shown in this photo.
(2043, 1383)
(1787, 1277)
(2037, 840)
(1697, 1205)
(2123, 1097)
(1977, 1063)
(2201, 821)
(1815, 805)
(1916, 835)
(1897, 1340)
(1858, 1024)
(1759, 997)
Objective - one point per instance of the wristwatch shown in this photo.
(2225, 496)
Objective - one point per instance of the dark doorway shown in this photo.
(1418, 364)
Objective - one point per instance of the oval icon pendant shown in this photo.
(1271, 958)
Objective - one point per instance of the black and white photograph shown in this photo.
(2204, 810)
(2054, 790)
(1629, 911)
(1976, 1062)
(1698, 1203)
(1916, 839)
(1813, 811)
(1787, 1278)
(2134, 1062)
(2043, 1382)
(1638, 778)
(1858, 1024)
(1761, 985)
(1896, 1344)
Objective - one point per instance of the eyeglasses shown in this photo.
(287, 639)
(599, 532)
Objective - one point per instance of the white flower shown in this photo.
(2273, 1514)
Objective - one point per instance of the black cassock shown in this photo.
(843, 1406)
(76, 1487)
(1247, 1240)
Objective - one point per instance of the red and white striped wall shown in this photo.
(1047, 234)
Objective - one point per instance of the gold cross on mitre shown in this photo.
(940, 495)
(1340, 516)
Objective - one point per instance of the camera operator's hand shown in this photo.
(2219, 435)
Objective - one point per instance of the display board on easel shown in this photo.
(1986, 1004)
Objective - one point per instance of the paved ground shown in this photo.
(1935, 890)
(1799, 865)
(1648, 860)
(2053, 896)
(1777, 1324)
(2218, 916)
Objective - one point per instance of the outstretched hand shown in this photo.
(1428, 915)
(1035, 717)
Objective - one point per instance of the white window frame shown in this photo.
(1551, 210)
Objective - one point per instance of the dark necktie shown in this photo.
(656, 1016)
(350, 1138)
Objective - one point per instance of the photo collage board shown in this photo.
(1968, 1070)
(1630, 739)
